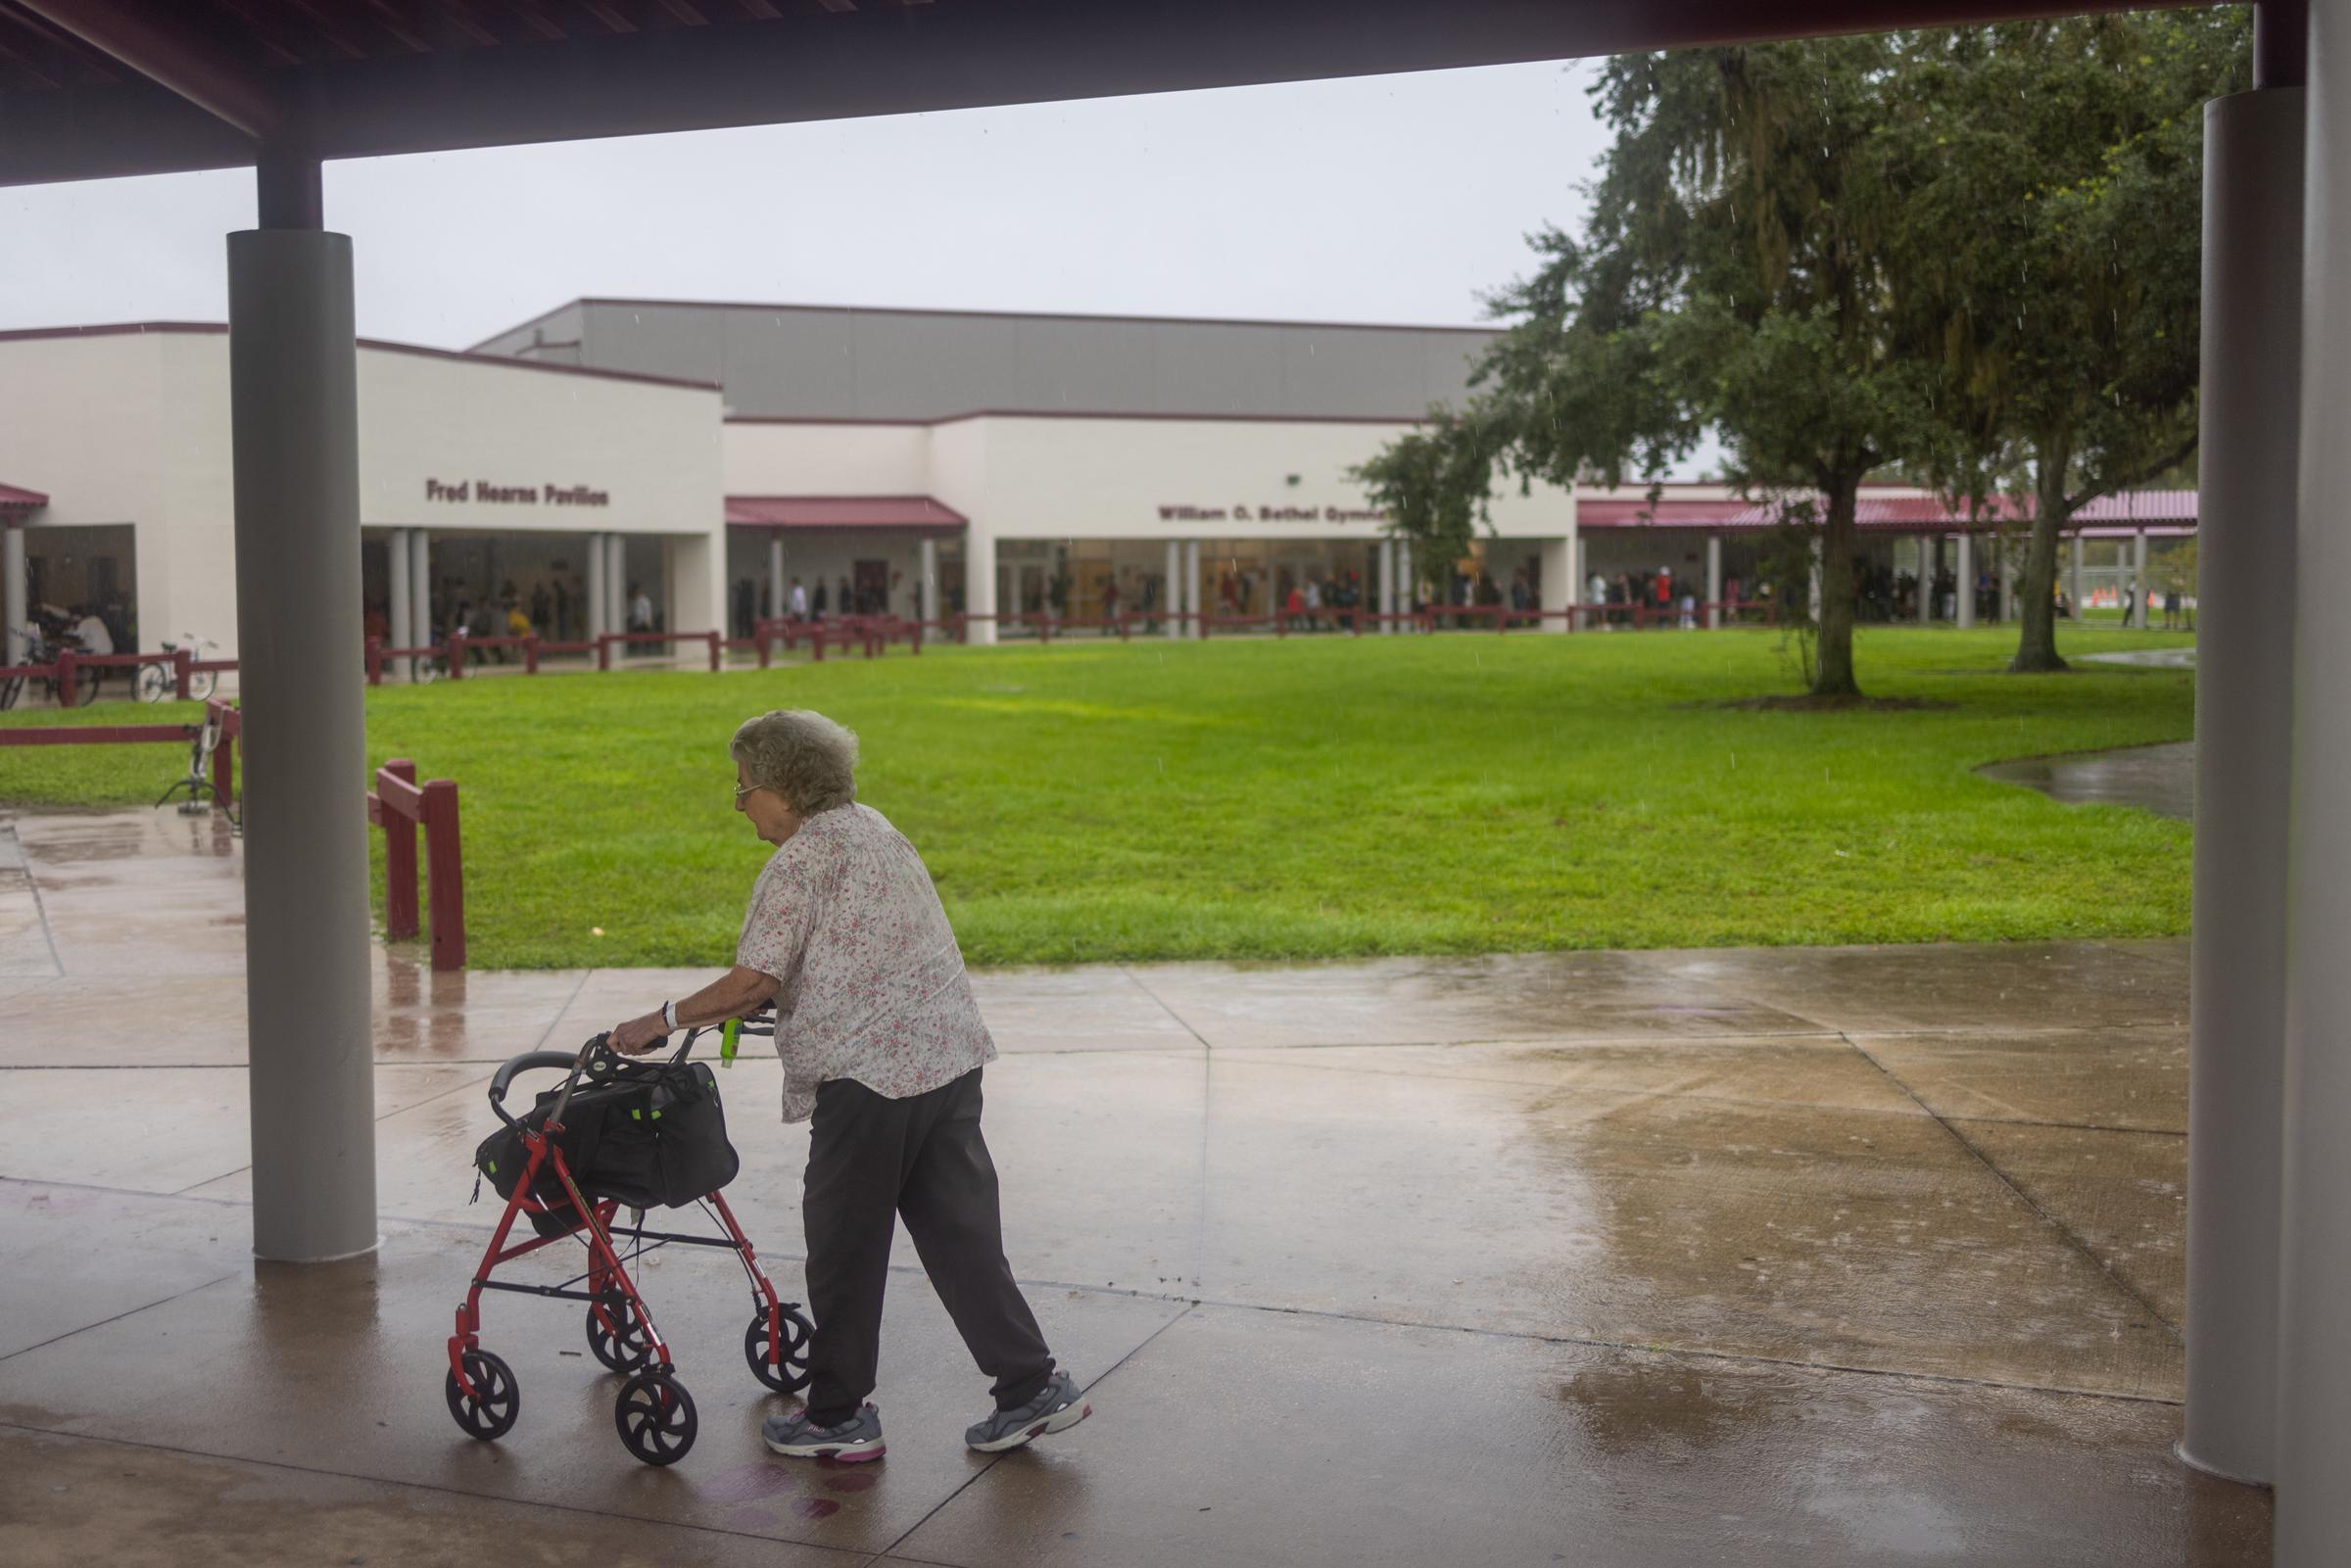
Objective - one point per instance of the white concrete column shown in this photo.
(980, 583)
(1964, 579)
(294, 447)
(1387, 583)
(1926, 579)
(2247, 456)
(2138, 580)
(599, 600)
(2073, 587)
(617, 582)
(928, 603)
(775, 570)
(1559, 580)
(420, 630)
(1714, 582)
(1191, 582)
(1172, 595)
(399, 617)
(2314, 1362)
(11, 592)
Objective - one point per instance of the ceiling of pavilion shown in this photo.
(352, 78)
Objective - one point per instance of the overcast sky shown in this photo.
(1381, 199)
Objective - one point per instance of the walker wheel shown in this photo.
(790, 1374)
(489, 1412)
(616, 1333)
(656, 1417)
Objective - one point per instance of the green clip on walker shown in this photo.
(730, 1033)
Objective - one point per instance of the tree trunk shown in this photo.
(2036, 641)
(1833, 675)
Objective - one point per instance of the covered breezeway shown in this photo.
(149, 86)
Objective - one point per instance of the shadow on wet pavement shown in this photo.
(1806, 1256)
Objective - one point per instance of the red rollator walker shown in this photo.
(618, 1132)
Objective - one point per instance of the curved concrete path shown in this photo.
(1783, 1257)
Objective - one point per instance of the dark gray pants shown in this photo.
(870, 1159)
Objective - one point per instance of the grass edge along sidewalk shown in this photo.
(1320, 798)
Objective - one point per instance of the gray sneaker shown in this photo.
(854, 1442)
(1055, 1410)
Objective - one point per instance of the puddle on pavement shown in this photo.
(2159, 779)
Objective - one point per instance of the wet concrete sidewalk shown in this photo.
(1768, 1257)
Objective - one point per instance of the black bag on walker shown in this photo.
(650, 1137)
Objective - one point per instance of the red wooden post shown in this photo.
(375, 665)
(914, 637)
(716, 645)
(400, 857)
(760, 634)
(816, 643)
(444, 872)
(66, 660)
(182, 671)
(530, 653)
(457, 655)
(603, 650)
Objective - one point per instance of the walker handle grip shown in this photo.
(500, 1079)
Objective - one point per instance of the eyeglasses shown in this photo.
(745, 790)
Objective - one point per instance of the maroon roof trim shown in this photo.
(116, 329)
(1086, 413)
(14, 497)
(990, 316)
(898, 513)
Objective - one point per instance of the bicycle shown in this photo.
(160, 682)
(13, 687)
(202, 793)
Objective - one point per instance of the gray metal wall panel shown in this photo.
(1085, 365)
(1214, 368)
(813, 362)
(924, 366)
(664, 341)
(559, 327)
(791, 364)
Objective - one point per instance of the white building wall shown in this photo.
(795, 458)
(134, 428)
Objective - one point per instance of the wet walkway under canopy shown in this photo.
(1782, 1257)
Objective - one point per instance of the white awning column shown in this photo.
(979, 584)
(1714, 582)
(420, 590)
(1926, 579)
(2314, 1354)
(928, 606)
(11, 592)
(1558, 583)
(1171, 596)
(617, 582)
(775, 570)
(399, 615)
(2139, 581)
(598, 600)
(1191, 585)
(295, 444)
(2244, 713)
(1964, 581)
(2073, 587)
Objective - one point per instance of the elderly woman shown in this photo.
(882, 1043)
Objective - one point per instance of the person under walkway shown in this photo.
(883, 1044)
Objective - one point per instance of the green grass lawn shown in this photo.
(1314, 797)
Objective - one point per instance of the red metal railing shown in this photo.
(400, 805)
(216, 711)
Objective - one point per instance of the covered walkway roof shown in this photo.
(1908, 512)
(90, 89)
(863, 513)
(17, 499)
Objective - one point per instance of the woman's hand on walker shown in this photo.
(639, 1035)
